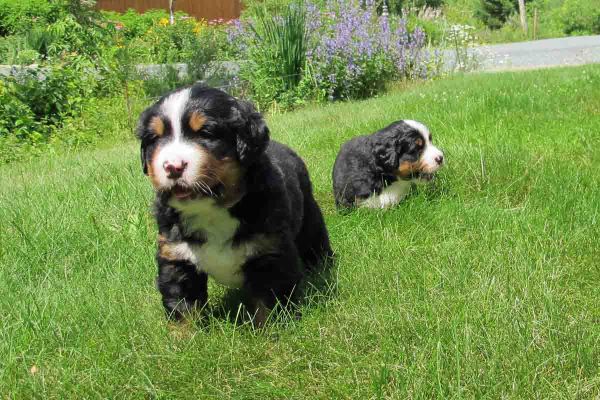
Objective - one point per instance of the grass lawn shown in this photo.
(485, 285)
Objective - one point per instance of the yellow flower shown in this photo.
(163, 22)
(198, 26)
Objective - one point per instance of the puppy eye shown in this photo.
(419, 143)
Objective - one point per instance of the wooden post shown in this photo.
(535, 23)
(523, 15)
(171, 12)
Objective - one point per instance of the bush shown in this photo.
(11, 47)
(580, 17)
(20, 16)
(39, 99)
(398, 6)
(494, 13)
(16, 117)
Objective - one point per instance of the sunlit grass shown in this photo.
(486, 284)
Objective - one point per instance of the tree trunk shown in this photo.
(171, 12)
(523, 15)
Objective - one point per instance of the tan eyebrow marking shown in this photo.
(419, 142)
(197, 121)
(157, 126)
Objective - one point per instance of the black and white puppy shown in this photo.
(229, 203)
(377, 170)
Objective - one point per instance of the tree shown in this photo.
(523, 15)
(494, 13)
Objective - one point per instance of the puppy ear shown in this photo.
(143, 158)
(387, 156)
(142, 133)
(253, 134)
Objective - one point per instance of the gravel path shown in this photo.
(536, 54)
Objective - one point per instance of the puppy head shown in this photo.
(197, 141)
(405, 149)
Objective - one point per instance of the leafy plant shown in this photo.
(19, 16)
(494, 13)
(16, 117)
(580, 17)
(398, 6)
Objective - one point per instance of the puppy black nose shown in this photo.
(174, 170)
(439, 159)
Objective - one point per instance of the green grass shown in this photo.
(484, 286)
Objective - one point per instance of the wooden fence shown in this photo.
(206, 9)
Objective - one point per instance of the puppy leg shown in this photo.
(271, 279)
(183, 289)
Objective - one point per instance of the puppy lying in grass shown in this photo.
(230, 203)
(377, 170)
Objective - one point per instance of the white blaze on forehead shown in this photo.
(177, 150)
(418, 126)
(173, 108)
(431, 152)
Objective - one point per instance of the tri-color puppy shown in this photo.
(377, 170)
(230, 203)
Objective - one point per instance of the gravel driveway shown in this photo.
(536, 54)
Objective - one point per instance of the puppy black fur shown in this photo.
(270, 196)
(365, 165)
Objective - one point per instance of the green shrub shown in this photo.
(55, 92)
(16, 117)
(580, 17)
(398, 6)
(68, 35)
(19, 16)
(10, 47)
(133, 24)
(494, 13)
(162, 43)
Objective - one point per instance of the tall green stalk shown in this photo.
(285, 37)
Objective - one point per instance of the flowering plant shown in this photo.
(357, 51)
(349, 52)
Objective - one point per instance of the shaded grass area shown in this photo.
(485, 284)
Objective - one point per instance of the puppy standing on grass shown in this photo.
(376, 170)
(229, 203)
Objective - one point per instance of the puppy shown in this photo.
(376, 170)
(230, 203)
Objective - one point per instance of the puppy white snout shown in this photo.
(176, 160)
(433, 159)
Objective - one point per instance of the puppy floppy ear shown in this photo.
(253, 134)
(387, 157)
(143, 133)
(389, 147)
(143, 158)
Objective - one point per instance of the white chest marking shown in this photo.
(217, 256)
(389, 196)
